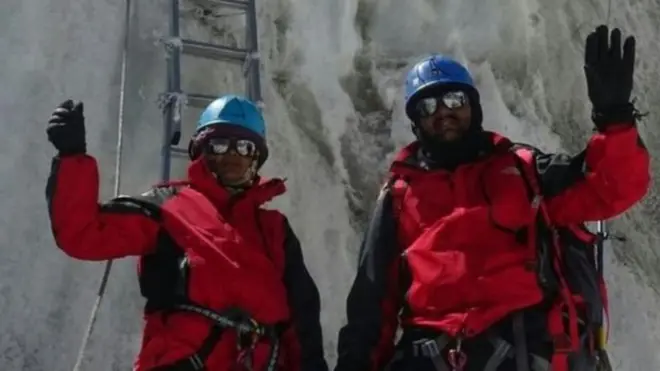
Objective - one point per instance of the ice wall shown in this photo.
(331, 81)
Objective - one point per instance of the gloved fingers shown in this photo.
(57, 119)
(66, 110)
(61, 112)
(591, 50)
(615, 46)
(629, 55)
(603, 42)
(78, 108)
(67, 105)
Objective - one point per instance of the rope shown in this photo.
(116, 187)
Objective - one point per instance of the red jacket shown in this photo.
(465, 268)
(237, 254)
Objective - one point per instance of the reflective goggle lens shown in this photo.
(452, 100)
(220, 146)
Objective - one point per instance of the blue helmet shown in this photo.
(233, 110)
(435, 71)
(231, 115)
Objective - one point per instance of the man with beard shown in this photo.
(477, 249)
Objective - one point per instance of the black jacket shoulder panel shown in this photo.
(556, 171)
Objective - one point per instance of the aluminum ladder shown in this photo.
(176, 47)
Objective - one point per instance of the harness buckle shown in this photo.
(457, 358)
(430, 348)
(248, 335)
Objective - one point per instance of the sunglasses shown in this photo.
(452, 100)
(220, 146)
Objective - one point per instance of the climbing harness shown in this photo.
(432, 349)
(117, 182)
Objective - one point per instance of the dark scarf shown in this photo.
(449, 155)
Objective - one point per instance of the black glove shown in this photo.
(609, 76)
(66, 128)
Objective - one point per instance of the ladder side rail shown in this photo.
(252, 45)
(172, 126)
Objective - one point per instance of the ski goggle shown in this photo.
(451, 99)
(220, 146)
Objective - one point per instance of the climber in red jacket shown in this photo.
(476, 249)
(224, 278)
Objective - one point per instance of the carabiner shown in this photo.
(457, 358)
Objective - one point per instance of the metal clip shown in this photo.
(430, 349)
(457, 358)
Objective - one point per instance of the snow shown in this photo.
(332, 74)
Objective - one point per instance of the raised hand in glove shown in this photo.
(66, 128)
(609, 75)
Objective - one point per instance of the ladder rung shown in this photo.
(199, 100)
(212, 51)
(236, 4)
(179, 151)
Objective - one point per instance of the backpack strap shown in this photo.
(565, 342)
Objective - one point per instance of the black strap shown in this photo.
(520, 342)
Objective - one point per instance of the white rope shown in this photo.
(117, 184)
